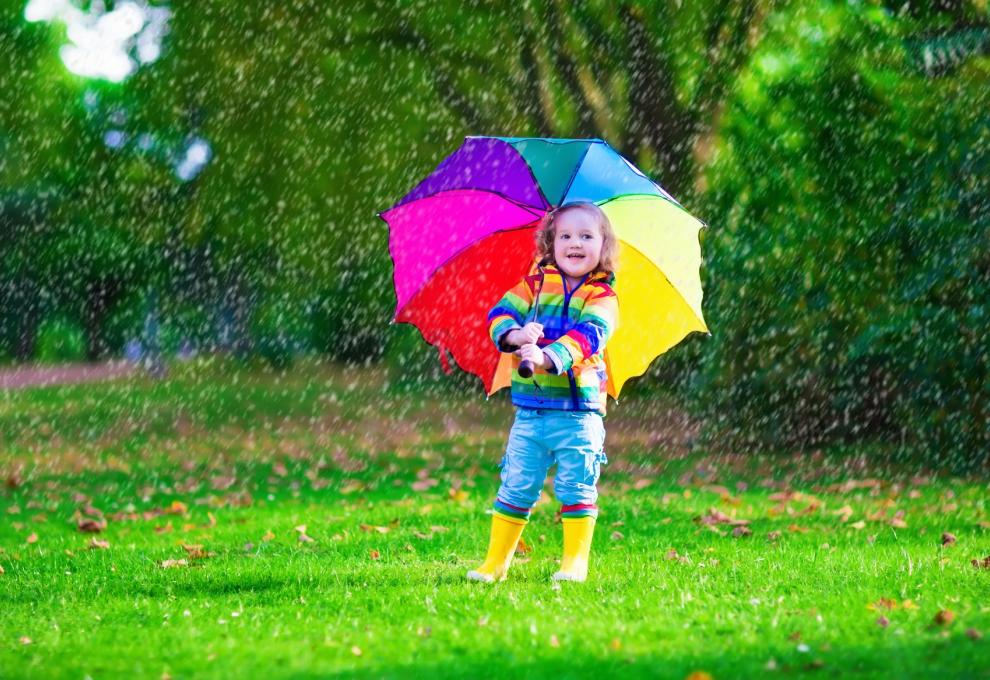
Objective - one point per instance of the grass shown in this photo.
(392, 487)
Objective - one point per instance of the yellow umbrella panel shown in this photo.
(658, 283)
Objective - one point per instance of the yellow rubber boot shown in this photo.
(577, 545)
(505, 535)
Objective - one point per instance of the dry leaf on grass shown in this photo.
(716, 516)
(97, 544)
(699, 675)
(883, 621)
(944, 617)
(981, 564)
(196, 552)
(372, 527)
(883, 603)
(173, 564)
(741, 531)
(973, 634)
(523, 548)
(947, 538)
(32, 538)
(374, 554)
(88, 525)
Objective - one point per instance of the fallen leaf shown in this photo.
(374, 554)
(222, 483)
(699, 675)
(97, 544)
(33, 538)
(773, 535)
(522, 548)
(883, 621)
(844, 513)
(303, 538)
(268, 536)
(883, 603)
(798, 529)
(973, 634)
(196, 552)
(25, 640)
(981, 564)
(424, 484)
(617, 536)
(371, 527)
(351, 487)
(947, 538)
(457, 495)
(88, 525)
(176, 508)
(642, 483)
(355, 650)
(858, 525)
(716, 516)
(742, 531)
(173, 564)
(944, 617)
(1, 569)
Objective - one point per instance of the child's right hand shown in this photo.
(527, 335)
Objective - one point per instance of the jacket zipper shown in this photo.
(563, 318)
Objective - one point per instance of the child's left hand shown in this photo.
(534, 354)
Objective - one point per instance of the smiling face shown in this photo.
(577, 243)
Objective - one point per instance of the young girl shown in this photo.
(559, 318)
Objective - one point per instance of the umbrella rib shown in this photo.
(577, 168)
(518, 204)
(661, 197)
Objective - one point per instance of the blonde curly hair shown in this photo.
(545, 233)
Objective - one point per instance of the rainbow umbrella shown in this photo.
(465, 235)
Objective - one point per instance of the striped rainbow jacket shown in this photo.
(576, 325)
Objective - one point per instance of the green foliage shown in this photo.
(850, 244)
(60, 339)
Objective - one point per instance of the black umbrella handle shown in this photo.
(526, 369)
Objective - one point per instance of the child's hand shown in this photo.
(534, 354)
(527, 335)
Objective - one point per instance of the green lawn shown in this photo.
(326, 520)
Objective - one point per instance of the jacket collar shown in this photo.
(607, 277)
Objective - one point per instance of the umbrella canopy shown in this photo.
(466, 234)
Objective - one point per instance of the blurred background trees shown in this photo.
(223, 182)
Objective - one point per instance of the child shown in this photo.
(559, 318)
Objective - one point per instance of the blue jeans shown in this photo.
(574, 440)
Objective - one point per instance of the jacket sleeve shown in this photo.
(597, 323)
(510, 312)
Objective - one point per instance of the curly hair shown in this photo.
(545, 233)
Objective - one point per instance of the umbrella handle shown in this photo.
(526, 369)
